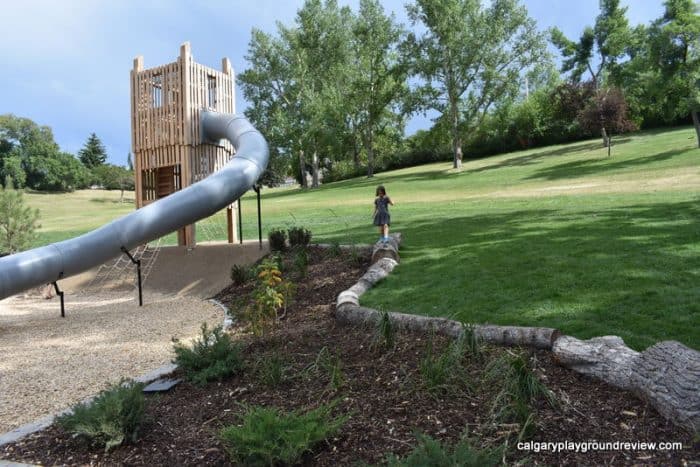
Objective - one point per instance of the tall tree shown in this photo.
(378, 78)
(599, 49)
(271, 86)
(675, 50)
(322, 43)
(292, 83)
(17, 221)
(469, 57)
(93, 153)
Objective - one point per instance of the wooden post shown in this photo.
(230, 224)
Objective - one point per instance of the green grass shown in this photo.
(561, 236)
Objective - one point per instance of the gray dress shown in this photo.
(382, 216)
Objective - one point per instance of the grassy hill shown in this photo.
(562, 236)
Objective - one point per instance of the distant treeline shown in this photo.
(32, 159)
(332, 91)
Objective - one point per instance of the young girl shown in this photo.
(381, 213)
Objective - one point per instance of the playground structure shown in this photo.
(169, 153)
(181, 112)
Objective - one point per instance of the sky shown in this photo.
(66, 63)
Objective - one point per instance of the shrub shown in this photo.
(18, 221)
(430, 452)
(266, 436)
(112, 418)
(277, 239)
(212, 356)
(240, 274)
(271, 295)
(299, 236)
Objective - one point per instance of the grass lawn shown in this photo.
(561, 236)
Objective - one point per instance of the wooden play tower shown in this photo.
(166, 103)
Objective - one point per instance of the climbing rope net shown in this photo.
(122, 271)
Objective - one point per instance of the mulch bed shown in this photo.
(381, 390)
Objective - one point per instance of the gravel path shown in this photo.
(48, 363)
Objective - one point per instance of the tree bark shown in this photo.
(456, 142)
(302, 168)
(355, 155)
(665, 374)
(314, 170)
(696, 124)
(604, 134)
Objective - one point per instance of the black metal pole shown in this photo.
(59, 292)
(257, 190)
(240, 223)
(137, 262)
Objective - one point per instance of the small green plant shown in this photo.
(301, 261)
(335, 249)
(329, 364)
(444, 373)
(240, 274)
(519, 387)
(431, 452)
(112, 418)
(355, 256)
(212, 356)
(471, 343)
(385, 333)
(266, 436)
(271, 295)
(271, 371)
(299, 237)
(277, 239)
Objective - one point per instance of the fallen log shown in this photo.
(666, 374)
(539, 338)
(388, 249)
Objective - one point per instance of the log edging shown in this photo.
(666, 374)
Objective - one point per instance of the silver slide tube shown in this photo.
(50, 263)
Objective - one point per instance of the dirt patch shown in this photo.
(382, 391)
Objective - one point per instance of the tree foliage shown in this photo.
(470, 57)
(93, 153)
(29, 154)
(18, 221)
(599, 50)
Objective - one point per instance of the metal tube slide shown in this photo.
(50, 263)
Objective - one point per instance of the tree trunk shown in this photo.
(606, 140)
(370, 156)
(314, 170)
(696, 124)
(665, 374)
(355, 155)
(302, 168)
(456, 141)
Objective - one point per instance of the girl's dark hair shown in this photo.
(380, 189)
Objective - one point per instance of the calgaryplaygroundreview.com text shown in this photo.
(586, 446)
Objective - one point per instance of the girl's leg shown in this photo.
(386, 230)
